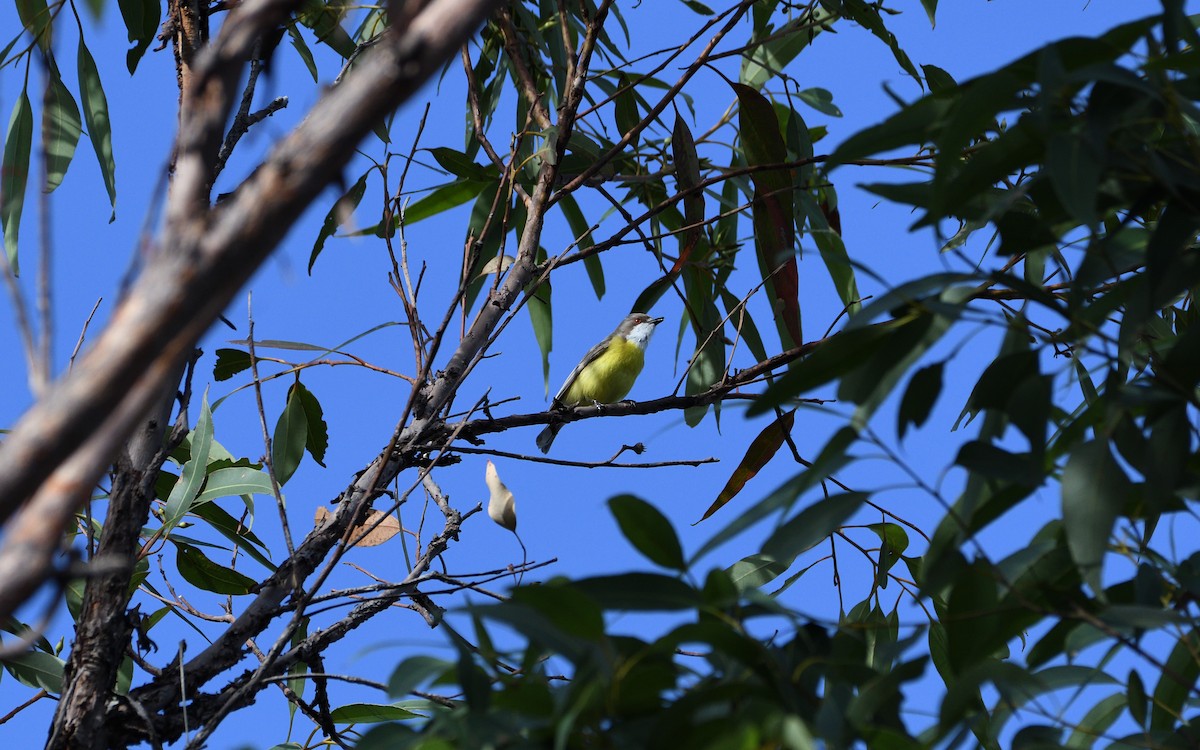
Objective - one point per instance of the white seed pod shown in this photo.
(501, 506)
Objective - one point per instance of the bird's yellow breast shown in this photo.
(609, 377)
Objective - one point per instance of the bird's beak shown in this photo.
(656, 321)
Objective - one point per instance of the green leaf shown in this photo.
(707, 365)
(14, 173)
(820, 100)
(1176, 682)
(297, 671)
(289, 438)
(317, 440)
(370, 713)
(194, 471)
(1136, 697)
(461, 165)
(930, 7)
(893, 542)
(207, 575)
(583, 238)
(235, 531)
(834, 358)
(762, 449)
(833, 251)
(35, 17)
(767, 59)
(232, 481)
(1075, 174)
(919, 398)
(99, 127)
(443, 199)
(625, 108)
(772, 212)
(141, 21)
(1094, 490)
(61, 128)
(305, 53)
(937, 79)
(648, 531)
(543, 324)
(229, 363)
(37, 669)
(413, 672)
(1096, 722)
(831, 458)
(810, 526)
(646, 592)
(654, 292)
(341, 212)
(325, 21)
(569, 609)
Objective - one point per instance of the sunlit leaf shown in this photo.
(99, 127)
(61, 128)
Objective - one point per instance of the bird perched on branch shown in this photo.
(606, 373)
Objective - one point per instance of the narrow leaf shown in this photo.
(61, 128)
(99, 127)
(14, 173)
(1094, 489)
(762, 449)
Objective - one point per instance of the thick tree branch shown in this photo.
(207, 254)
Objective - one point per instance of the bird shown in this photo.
(606, 373)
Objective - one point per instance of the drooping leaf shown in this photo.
(687, 174)
(339, 215)
(543, 325)
(317, 439)
(1176, 682)
(141, 22)
(61, 128)
(584, 240)
(14, 173)
(923, 390)
(761, 450)
(1094, 490)
(303, 51)
(289, 438)
(648, 530)
(99, 127)
(772, 213)
(194, 471)
(35, 17)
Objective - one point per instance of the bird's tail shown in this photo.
(546, 437)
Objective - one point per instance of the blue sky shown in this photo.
(562, 511)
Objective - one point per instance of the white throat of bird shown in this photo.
(640, 335)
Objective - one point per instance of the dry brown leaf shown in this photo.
(385, 527)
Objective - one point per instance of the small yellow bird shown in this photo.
(606, 373)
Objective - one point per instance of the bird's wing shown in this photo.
(588, 358)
